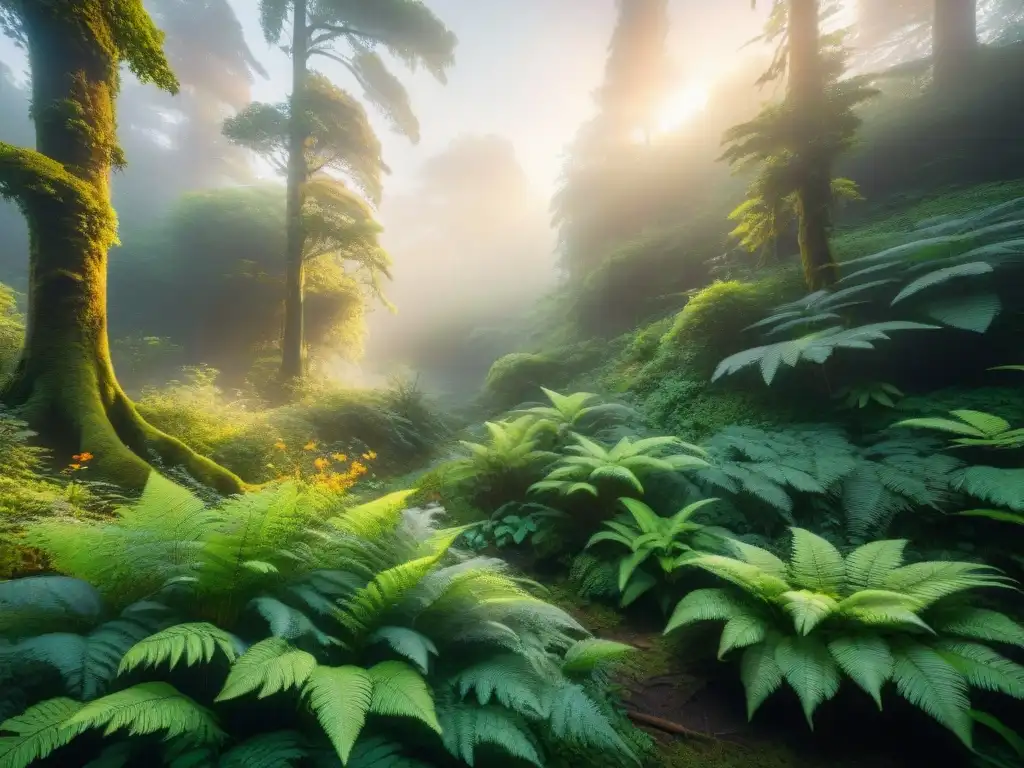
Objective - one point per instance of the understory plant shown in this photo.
(820, 616)
(580, 412)
(623, 465)
(670, 542)
(283, 627)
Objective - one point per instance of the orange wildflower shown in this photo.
(321, 463)
(310, 446)
(339, 457)
(280, 445)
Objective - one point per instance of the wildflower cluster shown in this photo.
(321, 468)
(79, 462)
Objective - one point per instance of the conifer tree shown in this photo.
(350, 33)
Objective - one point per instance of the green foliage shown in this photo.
(622, 465)
(577, 413)
(861, 396)
(12, 331)
(360, 615)
(518, 523)
(518, 377)
(868, 485)
(670, 541)
(713, 320)
(810, 621)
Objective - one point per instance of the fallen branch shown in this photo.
(667, 726)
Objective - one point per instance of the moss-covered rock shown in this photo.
(518, 377)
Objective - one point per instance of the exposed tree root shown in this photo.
(641, 718)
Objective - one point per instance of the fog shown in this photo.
(466, 209)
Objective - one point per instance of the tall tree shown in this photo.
(951, 24)
(337, 223)
(350, 33)
(64, 381)
(793, 145)
(592, 208)
(954, 42)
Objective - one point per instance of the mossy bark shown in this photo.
(805, 95)
(64, 382)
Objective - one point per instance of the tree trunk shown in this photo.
(293, 363)
(64, 382)
(954, 41)
(805, 96)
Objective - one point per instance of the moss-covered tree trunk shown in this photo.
(64, 382)
(293, 346)
(805, 95)
(954, 41)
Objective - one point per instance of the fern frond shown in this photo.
(197, 642)
(270, 665)
(412, 645)
(276, 749)
(464, 728)
(150, 708)
(400, 691)
(929, 682)
(340, 698)
(38, 731)
(509, 679)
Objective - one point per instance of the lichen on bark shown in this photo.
(64, 383)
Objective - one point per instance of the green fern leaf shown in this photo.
(760, 673)
(810, 670)
(868, 566)
(983, 668)
(465, 728)
(575, 717)
(277, 749)
(509, 678)
(270, 665)
(974, 312)
(1001, 487)
(815, 564)
(38, 731)
(289, 623)
(741, 631)
(866, 659)
(414, 646)
(590, 653)
(377, 752)
(939, 276)
(197, 642)
(376, 518)
(705, 605)
(808, 609)
(400, 691)
(929, 682)
(340, 697)
(38, 604)
(150, 708)
(981, 624)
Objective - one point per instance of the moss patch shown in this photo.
(703, 754)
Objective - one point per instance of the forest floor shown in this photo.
(698, 718)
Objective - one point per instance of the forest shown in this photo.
(331, 434)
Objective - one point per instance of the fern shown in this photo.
(37, 732)
(808, 621)
(149, 708)
(369, 612)
(196, 642)
(623, 464)
(465, 728)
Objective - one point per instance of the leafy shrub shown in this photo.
(810, 621)
(669, 541)
(593, 467)
(519, 376)
(686, 406)
(712, 322)
(578, 412)
(284, 625)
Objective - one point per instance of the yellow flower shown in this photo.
(280, 445)
(321, 463)
(74, 466)
(371, 455)
(310, 446)
(339, 457)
